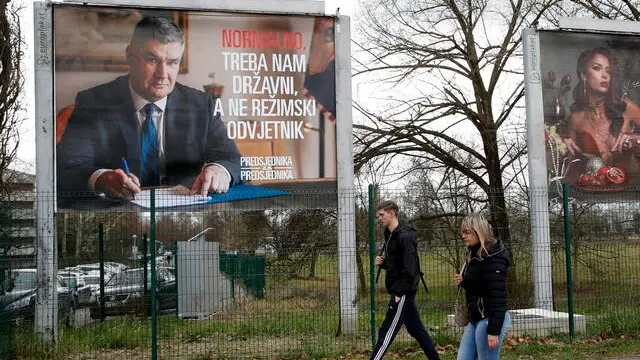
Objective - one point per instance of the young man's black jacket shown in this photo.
(401, 260)
(484, 281)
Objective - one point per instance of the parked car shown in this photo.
(166, 259)
(110, 268)
(92, 279)
(18, 297)
(81, 291)
(125, 293)
(116, 267)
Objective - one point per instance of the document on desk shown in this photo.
(169, 197)
(179, 196)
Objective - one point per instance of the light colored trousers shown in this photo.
(474, 346)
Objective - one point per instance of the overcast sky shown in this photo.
(27, 149)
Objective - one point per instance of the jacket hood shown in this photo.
(497, 249)
(403, 227)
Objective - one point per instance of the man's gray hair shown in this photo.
(157, 28)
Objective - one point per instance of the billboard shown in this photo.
(591, 92)
(192, 102)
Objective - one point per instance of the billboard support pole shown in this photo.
(538, 185)
(46, 309)
(346, 203)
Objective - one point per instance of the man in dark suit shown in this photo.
(164, 132)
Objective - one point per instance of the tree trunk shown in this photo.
(11, 84)
(79, 236)
(312, 265)
(63, 236)
(361, 276)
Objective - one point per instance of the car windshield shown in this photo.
(70, 280)
(23, 280)
(128, 277)
(92, 280)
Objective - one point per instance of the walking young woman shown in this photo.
(484, 282)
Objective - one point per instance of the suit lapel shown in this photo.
(175, 114)
(127, 122)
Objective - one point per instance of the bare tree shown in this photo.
(11, 84)
(454, 67)
(455, 58)
(603, 9)
(78, 235)
(436, 204)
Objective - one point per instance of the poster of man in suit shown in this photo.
(202, 100)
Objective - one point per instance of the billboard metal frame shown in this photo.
(46, 322)
(280, 7)
(46, 304)
(538, 185)
(599, 25)
(538, 178)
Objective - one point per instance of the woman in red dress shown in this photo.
(603, 123)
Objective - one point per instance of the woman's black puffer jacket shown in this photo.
(484, 282)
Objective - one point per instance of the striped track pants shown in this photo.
(403, 312)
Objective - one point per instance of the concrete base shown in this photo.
(537, 322)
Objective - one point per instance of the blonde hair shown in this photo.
(478, 224)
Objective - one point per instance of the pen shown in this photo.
(125, 168)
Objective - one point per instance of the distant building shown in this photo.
(18, 218)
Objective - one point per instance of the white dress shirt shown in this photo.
(158, 118)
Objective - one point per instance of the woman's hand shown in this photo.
(572, 147)
(458, 279)
(626, 142)
(493, 341)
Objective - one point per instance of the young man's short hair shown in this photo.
(388, 205)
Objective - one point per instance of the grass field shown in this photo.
(299, 319)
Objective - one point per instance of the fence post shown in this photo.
(567, 252)
(101, 259)
(145, 259)
(154, 281)
(372, 265)
(175, 269)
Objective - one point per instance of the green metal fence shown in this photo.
(248, 269)
(275, 292)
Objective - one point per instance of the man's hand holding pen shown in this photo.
(118, 184)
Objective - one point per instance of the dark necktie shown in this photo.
(149, 162)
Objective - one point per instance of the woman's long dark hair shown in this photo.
(613, 105)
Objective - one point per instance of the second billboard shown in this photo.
(591, 92)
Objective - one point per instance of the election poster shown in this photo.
(234, 105)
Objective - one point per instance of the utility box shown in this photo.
(199, 278)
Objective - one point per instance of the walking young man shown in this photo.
(401, 262)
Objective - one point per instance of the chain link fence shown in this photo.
(261, 278)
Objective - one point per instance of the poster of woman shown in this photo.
(591, 97)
